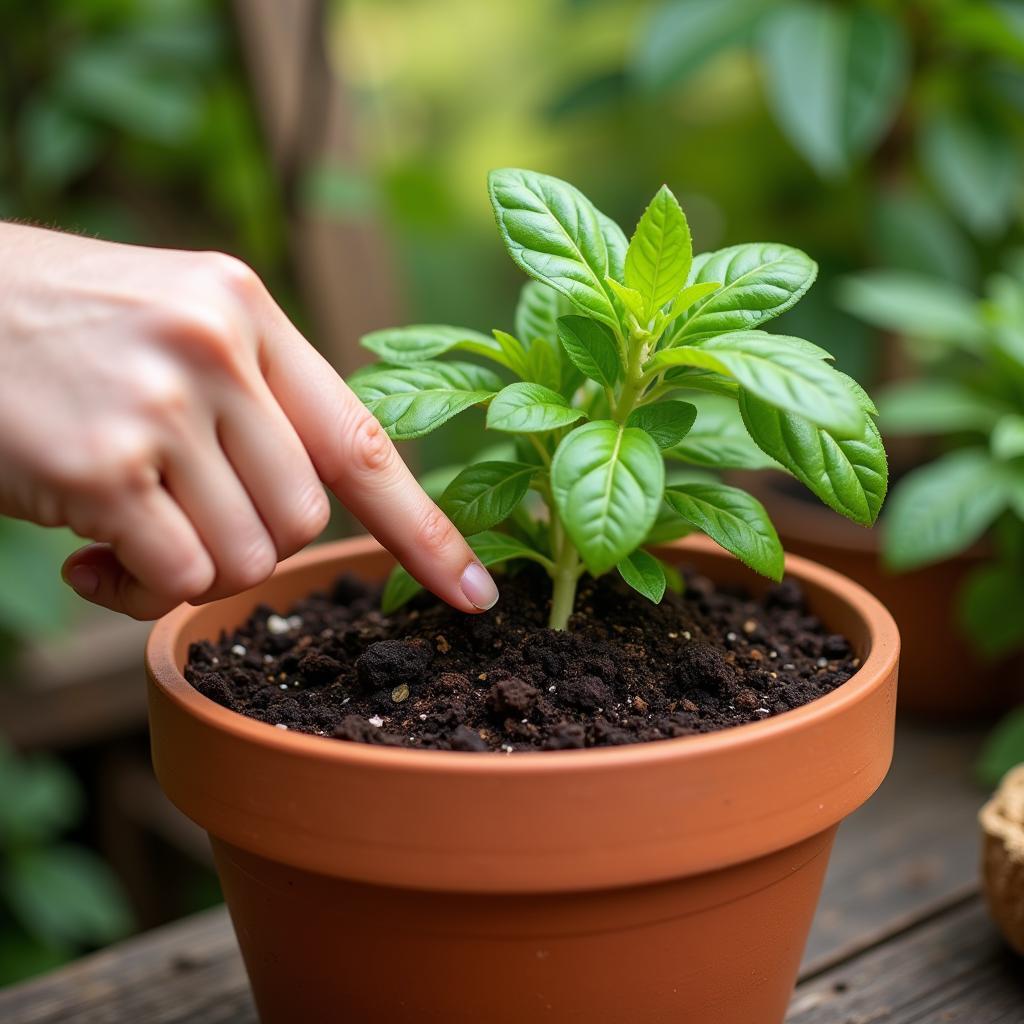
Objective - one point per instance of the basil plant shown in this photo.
(969, 396)
(627, 354)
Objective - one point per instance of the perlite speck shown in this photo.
(276, 625)
(400, 693)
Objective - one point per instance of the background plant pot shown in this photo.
(632, 883)
(941, 674)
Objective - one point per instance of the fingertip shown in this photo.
(478, 587)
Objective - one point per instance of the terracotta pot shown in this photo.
(668, 881)
(941, 674)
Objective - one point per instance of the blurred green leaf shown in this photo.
(976, 166)
(989, 606)
(1008, 437)
(39, 798)
(65, 895)
(33, 599)
(683, 34)
(934, 407)
(1003, 749)
(913, 233)
(912, 304)
(55, 144)
(835, 76)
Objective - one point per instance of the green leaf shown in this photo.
(718, 438)
(759, 281)
(399, 588)
(1008, 437)
(976, 166)
(39, 798)
(1003, 750)
(660, 252)
(544, 365)
(935, 407)
(645, 574)
(632, 300)
(911, 304)
(537, 312)
(529, 409)
(834, 76)
(941, 509)
(669, 525)
(683, 34)
(410, 401)
(989, 606)
(484, 494)
(66, 895)
(735, 520)
(687, 297)
(607, 481)
(39, 603)
(615, 242)
(554, 234)
(667, 422)
(591, 349)
(490, 547)
(850, 475)
(403, 346)
(511, 354)
(778, 370)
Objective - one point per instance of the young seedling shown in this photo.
(625, 354)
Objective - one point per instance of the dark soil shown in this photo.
(430, 677)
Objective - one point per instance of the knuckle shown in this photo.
(372, 451)
(162, 395)
(104, 460)
(311, 515)
(434, 531)
(230, 272)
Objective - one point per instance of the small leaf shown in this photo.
(777, 369)
(849, 475)
(537, 312)
(591, 349)
(554, 234)
(935, 407)
(718, 439)
(667, 422)
(632, 300)
(645, 574)
(835, 76)
(1008, 437)
(669, 525)
(530, 408)
(403, 346)
(688, 296)
(607, 482)
(660, 252)
(941, 509)
(490, 547)
(759, 281)
(484, 494)
(410, 401)
(399, 588)
(544, 364)
(510, 353)
(989, 606)
(735, 520)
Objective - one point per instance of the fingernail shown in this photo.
(83, 580)
(479, 588)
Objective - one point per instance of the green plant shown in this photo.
(56, 897)
(608, 336)
(968, 397)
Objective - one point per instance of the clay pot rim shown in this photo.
(879, 664)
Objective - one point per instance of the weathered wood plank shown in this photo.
(950, 970)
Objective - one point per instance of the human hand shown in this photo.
(161, 404)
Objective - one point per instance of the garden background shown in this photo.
(342, 149)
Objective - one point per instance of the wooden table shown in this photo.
(901, 936)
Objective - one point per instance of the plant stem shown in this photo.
(565, 576)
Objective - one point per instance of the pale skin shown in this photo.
(160, 404)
